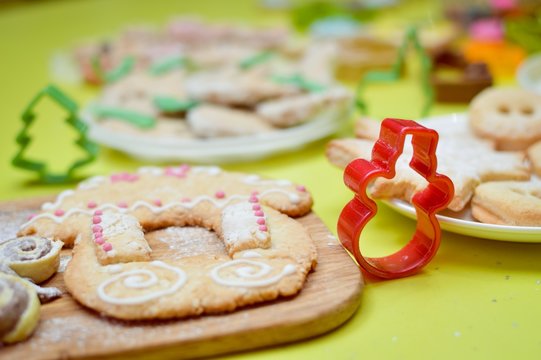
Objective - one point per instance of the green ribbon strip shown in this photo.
(257, 59)
(23, 140)
(172, 105)
(123, 69)
(132, 117)
(298, 81)
(174, 62)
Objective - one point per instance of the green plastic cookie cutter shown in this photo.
(411, 39)
(23, 140)
(299, 81)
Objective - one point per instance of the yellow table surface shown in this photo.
(477, 299)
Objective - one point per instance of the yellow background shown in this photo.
(477, 299)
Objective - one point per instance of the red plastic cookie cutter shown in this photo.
(436, 196)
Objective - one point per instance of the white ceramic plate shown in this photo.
(219, 150)
(463, 223)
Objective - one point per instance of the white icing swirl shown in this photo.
(252, 274)
(141, 279)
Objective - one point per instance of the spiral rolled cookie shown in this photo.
(19, 309)
(33, 257)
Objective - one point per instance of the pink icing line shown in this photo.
(124, 177)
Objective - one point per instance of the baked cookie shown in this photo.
(511, 117)
(534, 155)
(165, 128)
(113, 269)
(294, 110)
(208, 121)
(467, 162)
(19, 309)
(236, 87)
(515, 203)
(31, 257)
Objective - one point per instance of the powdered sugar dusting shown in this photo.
(189, 241)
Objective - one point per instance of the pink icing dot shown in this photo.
(219, 194)
(301, 188)
(255, 192)
(184, 167)
(98, 212)
(263, 228)
(186, 199)
(131, 177)
(179, 171)
(258, 213)
(59, 212)
(157, 202)
(122, 204)
(96, 228)
(107, 246)
(91, 204)
(99, 240)
(260, 221)
(31, 216)
(254, 199)
(96, 219)
(256, 207)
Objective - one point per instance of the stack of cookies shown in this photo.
(492, 155)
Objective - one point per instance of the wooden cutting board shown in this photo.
(68, 330)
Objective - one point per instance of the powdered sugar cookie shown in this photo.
(218, 121)
(511, 117)
(508, 203)
(236, 87)
(467, 162)
(294, 110)
(113, 269)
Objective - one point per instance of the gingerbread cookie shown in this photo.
(511, 117)
(113, 269)
(466, 160)
(19, 309)
(515, 203)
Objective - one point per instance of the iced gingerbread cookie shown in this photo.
(511, 117)
(508, 203)
(19, 309)
(113, 270)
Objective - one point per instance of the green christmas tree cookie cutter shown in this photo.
(23, 140)
(411, 39)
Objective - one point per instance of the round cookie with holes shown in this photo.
(116, 271)
(508, 203)
(511, 117)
